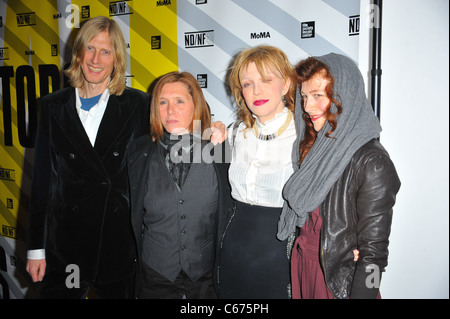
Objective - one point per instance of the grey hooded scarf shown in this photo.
(326, 160)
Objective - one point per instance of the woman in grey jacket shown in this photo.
(180, 193)
(343, 190)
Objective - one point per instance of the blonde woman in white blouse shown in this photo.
(253, 263)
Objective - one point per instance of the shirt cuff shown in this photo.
(36, 254)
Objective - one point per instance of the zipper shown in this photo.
(322, 259)
(223, 237)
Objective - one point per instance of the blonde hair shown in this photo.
(264, 57)
(202, 112)
(88, 31)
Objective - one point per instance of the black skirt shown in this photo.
(253, 262)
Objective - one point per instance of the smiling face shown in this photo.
(315, 100)
(97, 63)
(176, 108)
(263, 96)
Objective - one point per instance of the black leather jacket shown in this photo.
(357, 213)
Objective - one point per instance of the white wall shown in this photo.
(415, 121)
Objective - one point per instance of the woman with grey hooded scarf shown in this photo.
(341, 194)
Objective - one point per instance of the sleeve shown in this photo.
(145, 119)
(36, 254)
(36, 218)
(378, 187)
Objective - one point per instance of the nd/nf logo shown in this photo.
(26, 19)
(117, 8)
(353, 25)
(199, 39)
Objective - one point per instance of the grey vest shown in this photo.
(180, 226)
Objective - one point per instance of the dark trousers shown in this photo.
(156, 286)
(54, 286)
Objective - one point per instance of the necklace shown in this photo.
(280, 131)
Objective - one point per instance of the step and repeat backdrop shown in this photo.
(198, 36)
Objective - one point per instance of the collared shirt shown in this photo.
(259, 169)
(91, 122)
(91, 119)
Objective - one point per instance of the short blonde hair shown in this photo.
(88, 31)
(202, 112)
(264, 57)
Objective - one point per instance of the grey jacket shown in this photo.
(139, 154)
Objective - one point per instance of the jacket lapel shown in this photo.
(64, 112)
(118, 112)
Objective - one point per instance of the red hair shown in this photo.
(306, 70)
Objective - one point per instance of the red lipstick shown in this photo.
(315, 117)
(260, 102)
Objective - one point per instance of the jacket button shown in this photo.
(116, 154)
(72, 155)
(75, 209)
(181, 201)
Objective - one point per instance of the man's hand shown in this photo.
(36, 269)
(355, 254)
(219, 133)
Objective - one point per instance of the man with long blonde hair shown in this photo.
(79, 230)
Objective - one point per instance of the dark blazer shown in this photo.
(79, 207)
(139, 154)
